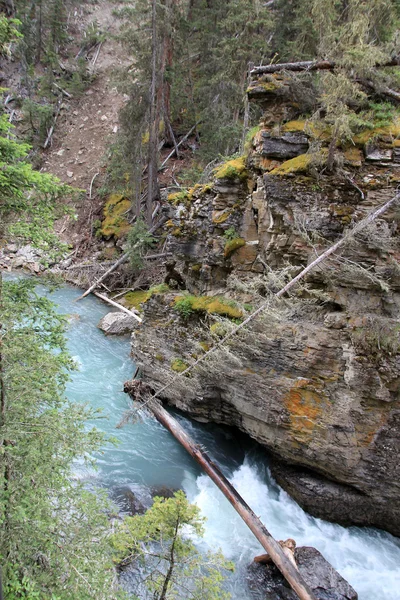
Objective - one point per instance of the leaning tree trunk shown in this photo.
(275, 551)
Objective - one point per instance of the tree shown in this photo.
(53, 533)
(160, 540)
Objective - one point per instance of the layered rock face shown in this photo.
(316, 378)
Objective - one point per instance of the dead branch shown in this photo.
(311, 65)
(119, 306)
(117, 264)
(51, 130)
(170, 155)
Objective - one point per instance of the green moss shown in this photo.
(222, 216)
(320, 131)
(196, 268)
(178, 198)
(178, 365)
(213, 305)
(218, 329)
(114, 222)
(135, 299)
(233, 169)
(205, 346)
(232, 245)
(298, 164)
(391, 131)
(159, 357)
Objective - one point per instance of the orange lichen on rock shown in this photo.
(305, 406)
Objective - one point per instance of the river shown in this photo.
(148, 457)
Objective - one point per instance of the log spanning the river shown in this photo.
(275, 551)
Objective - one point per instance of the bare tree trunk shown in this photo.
(242, 508)
(246, 117)
(152, 185)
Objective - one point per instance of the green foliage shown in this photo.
(184, 307)
(139, 240)
(9, 32)
(28, 199)
(159, 540)
(40, 117)
(230, 233)
(48, 521)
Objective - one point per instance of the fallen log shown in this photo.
(119, 306)
(311, 65)
(119, 262)
(242, 508)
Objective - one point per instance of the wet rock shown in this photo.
(285, 146)
(162, 491)
(266, 582)
(117, 323)
(127, 500)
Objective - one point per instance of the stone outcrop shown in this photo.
(265, 581)
(315, 379)
(117, 323)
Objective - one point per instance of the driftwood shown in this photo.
(119, 306)
(242, 508)
(311, 65)
(115, 266)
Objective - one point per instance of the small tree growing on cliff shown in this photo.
(174, 567)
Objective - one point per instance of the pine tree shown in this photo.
(159, 541)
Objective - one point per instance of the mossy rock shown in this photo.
(178, 198)
(232, 169)
(391, 131)
(299, 164)
(220, 216)
(232, 245)
(178, 365)
(114, 222)
(135, 299)
(212, 305)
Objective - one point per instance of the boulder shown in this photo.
(127, 500)
(265, 581)
(117, 323)
(288, 145)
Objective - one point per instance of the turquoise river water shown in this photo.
(148, 457)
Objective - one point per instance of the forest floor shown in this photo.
(88, 125)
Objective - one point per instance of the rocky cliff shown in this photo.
(316, 378)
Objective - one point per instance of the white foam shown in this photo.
(368, 559)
